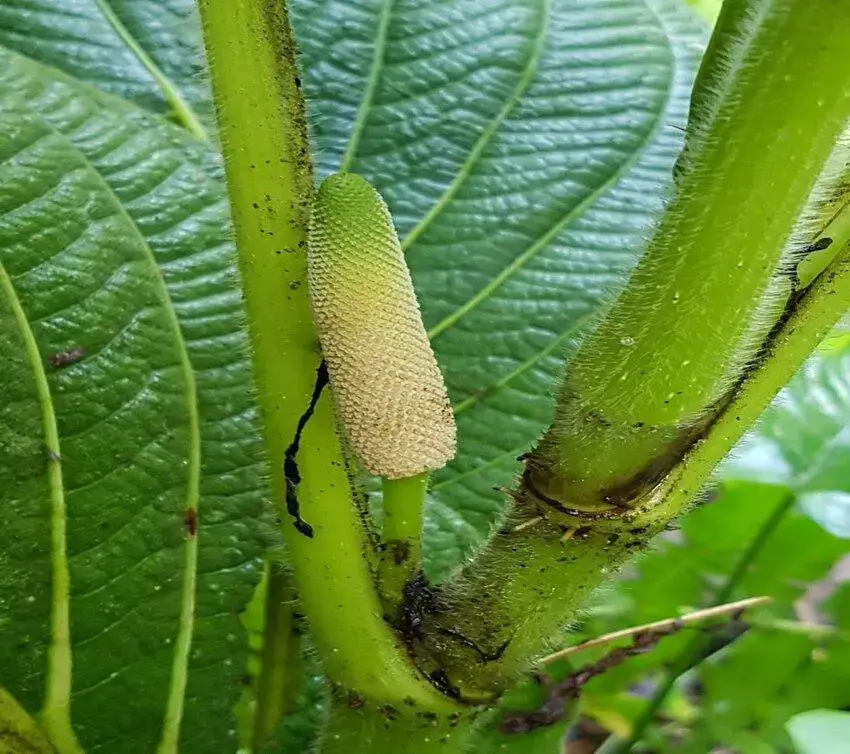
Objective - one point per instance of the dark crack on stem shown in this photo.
(290, 465)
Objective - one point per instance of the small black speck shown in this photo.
(819, 245)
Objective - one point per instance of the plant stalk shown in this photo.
(261, 116)
(529, 582)
(500, 613)
(718, 273)
(401, 550)
(280, 662)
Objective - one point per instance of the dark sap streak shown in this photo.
(290, 465)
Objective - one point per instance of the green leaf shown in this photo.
(115, 246)
(820, 731)
(523, 147)
(149, 52)
(747, 692)
(802, 442)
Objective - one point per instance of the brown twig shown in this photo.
(697, 615)
(644, 639)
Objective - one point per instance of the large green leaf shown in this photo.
(115, 241)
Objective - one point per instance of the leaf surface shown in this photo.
(115, 245)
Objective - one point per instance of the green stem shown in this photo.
(714, 280)
(516, 598)
(403, 501)
(810, 320)
(354, 727)
(263, 130)
(281, 667)
(692, 651)
(529, 582)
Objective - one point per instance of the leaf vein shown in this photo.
(371, 85)
(489, 132)
(57, 697)
(182, 110)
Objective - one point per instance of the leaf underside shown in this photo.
(114, 237)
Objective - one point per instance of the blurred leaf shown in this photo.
(745, 693)
(803, 442)
(821, 731)
(708, 9)
(830, 509)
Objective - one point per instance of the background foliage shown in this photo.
(524, 147)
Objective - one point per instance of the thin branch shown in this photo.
(559, 694)
(694, 617)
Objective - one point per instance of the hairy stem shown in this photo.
(530, 581)
(484, 629)
(717, 275)
(481, 630)
(262, 123)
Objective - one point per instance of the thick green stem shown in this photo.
(483, 629)
(692, 651)
(263, 131)
(716, 276)
(532, 579)
(486, 627)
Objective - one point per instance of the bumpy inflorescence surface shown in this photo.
(390, 396)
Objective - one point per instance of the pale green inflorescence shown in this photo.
(388, 390)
